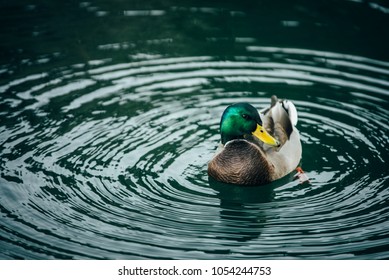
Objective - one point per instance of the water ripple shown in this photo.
(110, 162)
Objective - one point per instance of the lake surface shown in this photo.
(110, 110)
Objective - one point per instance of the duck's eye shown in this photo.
(246, 117)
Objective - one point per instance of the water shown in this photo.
(110, 113)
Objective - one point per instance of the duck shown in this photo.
(257, 147)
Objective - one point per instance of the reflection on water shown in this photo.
(104, 143)
(242, 216)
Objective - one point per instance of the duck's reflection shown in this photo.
(242, 212)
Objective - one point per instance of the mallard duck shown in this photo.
(257, 147)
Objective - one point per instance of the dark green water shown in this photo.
(110, 111)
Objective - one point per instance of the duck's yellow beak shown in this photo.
(265, 137)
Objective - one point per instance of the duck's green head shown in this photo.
(241, 120)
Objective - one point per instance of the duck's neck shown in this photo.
(228, 137)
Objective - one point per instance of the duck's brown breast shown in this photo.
(241, 162)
